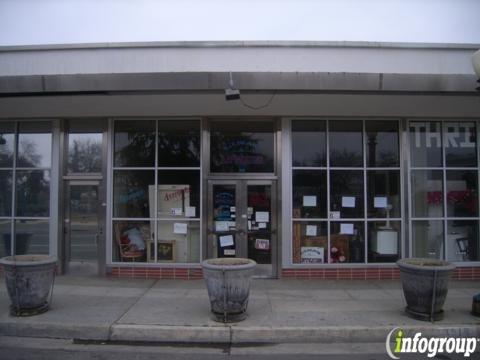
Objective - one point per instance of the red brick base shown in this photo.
(341, 273)
(154, 272)
(376, 273)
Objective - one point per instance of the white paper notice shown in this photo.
(311, 230)
(221, 225)
(229, 252)
(335, 215)
(190, 211)
(226, 240)
(380, 202)
(232, 208)
(179, 228)
(176, 211)
(262, 216)
(249, 225)
(346, 229)
(262, 225)
(348, 201)
(309, 201)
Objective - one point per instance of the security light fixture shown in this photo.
(231, 93)
(476, 66)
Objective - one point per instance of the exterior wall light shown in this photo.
(476, 66)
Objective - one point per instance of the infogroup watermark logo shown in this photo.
(397, 343)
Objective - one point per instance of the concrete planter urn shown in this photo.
(29, 280)
(228, 286)
(425, 286)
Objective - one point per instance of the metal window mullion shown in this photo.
(403, 213)
(444, 178)
(155, 194)
(110, 139)
(327, 130)
(409, 190)
(14, 189)
(365, 200)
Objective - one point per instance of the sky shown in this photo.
(27, 22)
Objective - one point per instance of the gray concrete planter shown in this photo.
(425, 286)
(228, 286)
(29, 280)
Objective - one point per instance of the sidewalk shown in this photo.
(280, 311)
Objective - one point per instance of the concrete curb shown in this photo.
(231, 334)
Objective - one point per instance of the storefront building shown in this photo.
(336, 161)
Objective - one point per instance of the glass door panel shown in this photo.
(224, 226)
(259, 227)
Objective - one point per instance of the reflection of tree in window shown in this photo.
(241, 151)
(28, 156)
(84, 156)
(179, 149)
(134, 147)
(33, 193)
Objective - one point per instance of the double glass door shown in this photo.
(242, 222)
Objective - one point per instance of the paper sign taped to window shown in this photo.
(221, 225)
(226, 240)
(348, 201)
(262, 216)
(190, 211)
(232, 208)
(229, 252)
(180, 228)
(346, 229)
(380, 202)
(262, 244)
(311, 230)
(310, 201)
(334, 214)
(262, 225)
(176, 211)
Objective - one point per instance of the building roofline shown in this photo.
(242, 44)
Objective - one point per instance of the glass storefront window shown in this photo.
(460, 144)
(178, 193)
(33, 193)
(309, 189)
(242, 147)
(344, 182)
(131, 239)
(134, 143)
(5, 192)
(462, 241)
(462, 193)
(309, 140)
(84, 146)
(178, 241)
(383, 193)
(383, 241)
(31, 237)
(427, 193)
(178, 143)
(425, 144)
(34, 144)
(171, 187)
(7, 138)
(382, 143)
(427, 238)
(310, 242)
(347, 242)
(346, 193)
(346, 143)
(132, 190)
(5, 237)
